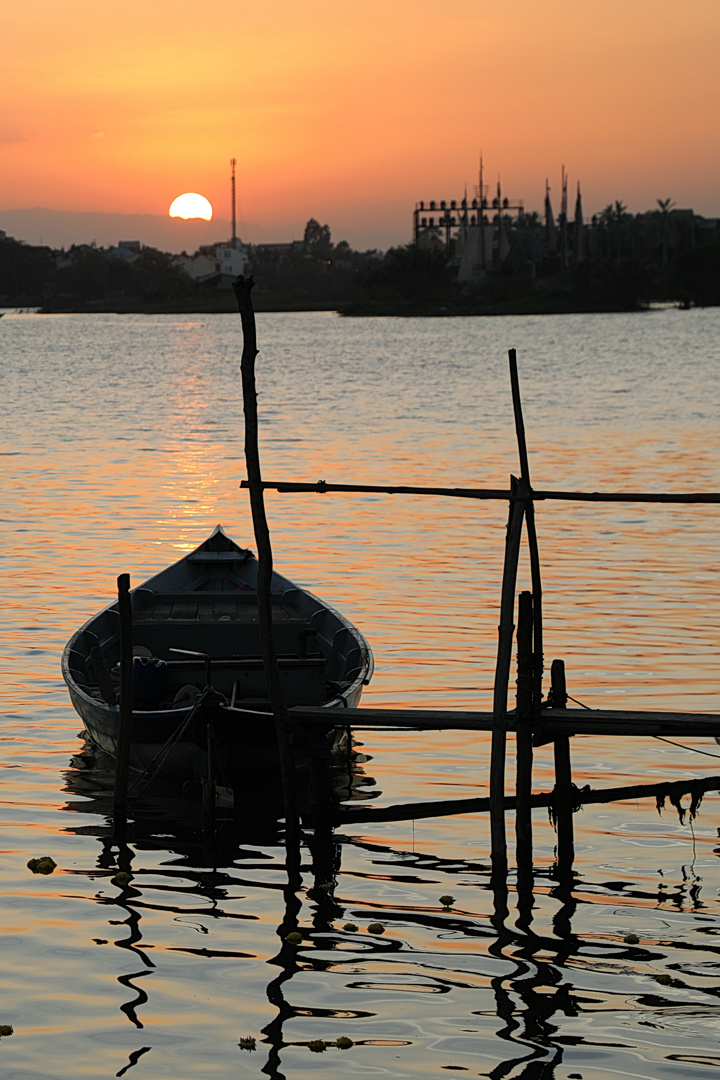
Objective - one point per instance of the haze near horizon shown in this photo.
(352, 113)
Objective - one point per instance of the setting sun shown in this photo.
(191, 205)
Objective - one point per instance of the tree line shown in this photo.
(623, 262)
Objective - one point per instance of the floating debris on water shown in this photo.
(43, 865)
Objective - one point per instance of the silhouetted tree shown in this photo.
(317, 240)
(694, 275)
(414, 274)
(27, 274)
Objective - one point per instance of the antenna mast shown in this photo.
(232, 199)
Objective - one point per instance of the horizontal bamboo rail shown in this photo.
(580, 797)
(489, 493)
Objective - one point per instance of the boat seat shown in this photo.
(304, 681)
(248, 663)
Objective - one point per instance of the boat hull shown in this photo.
(206, 604)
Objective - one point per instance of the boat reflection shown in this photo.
(208, 863)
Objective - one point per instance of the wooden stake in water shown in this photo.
(523, 737)
(506, 630)
(563, 772)
(531, 534)
(243, 289)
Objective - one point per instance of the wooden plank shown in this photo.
(183, 610)
(566, 721)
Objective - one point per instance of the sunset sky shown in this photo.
(351, 112)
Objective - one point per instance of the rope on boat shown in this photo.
(164, 751)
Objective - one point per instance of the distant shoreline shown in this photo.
(224, 304)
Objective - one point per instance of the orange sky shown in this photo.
(351, 111)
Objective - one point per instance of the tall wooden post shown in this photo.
(243, 289)
(122, 750)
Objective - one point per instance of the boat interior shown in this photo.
(318, 654)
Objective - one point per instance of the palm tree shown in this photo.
(666, 205)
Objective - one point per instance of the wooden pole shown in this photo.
(538, 663)
(243, 289)
(322, 488)
(523, 738)
(563, 773)
(506, 630)
(122, 750)
(671, 789)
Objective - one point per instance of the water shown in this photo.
(122, 449)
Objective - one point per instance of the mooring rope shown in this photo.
(693, 749)
(164, 751)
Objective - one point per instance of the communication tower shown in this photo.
(232, 200)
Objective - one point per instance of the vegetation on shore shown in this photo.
(627, 263)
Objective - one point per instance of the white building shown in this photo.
(216, 266)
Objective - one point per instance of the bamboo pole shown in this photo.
(563, 773)
(523, 738)
(670, 789)
(506, 630)
(538, 663)
(503, 494)
(243, 289)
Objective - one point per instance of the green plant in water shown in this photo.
(317, 1046)
(43, 865)
(248, 1043)
(376, 928)
(343, 1043)
(350, 927)
(6, 1029)
(664, 980)
(631, 939)
(121, 879)
(447, 901)
(294, 938)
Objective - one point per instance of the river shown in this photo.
(122, 449)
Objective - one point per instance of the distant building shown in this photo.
(127, 250)
(215, 266)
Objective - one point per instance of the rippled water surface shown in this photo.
(122, 449)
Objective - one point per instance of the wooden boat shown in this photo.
(197, 671)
